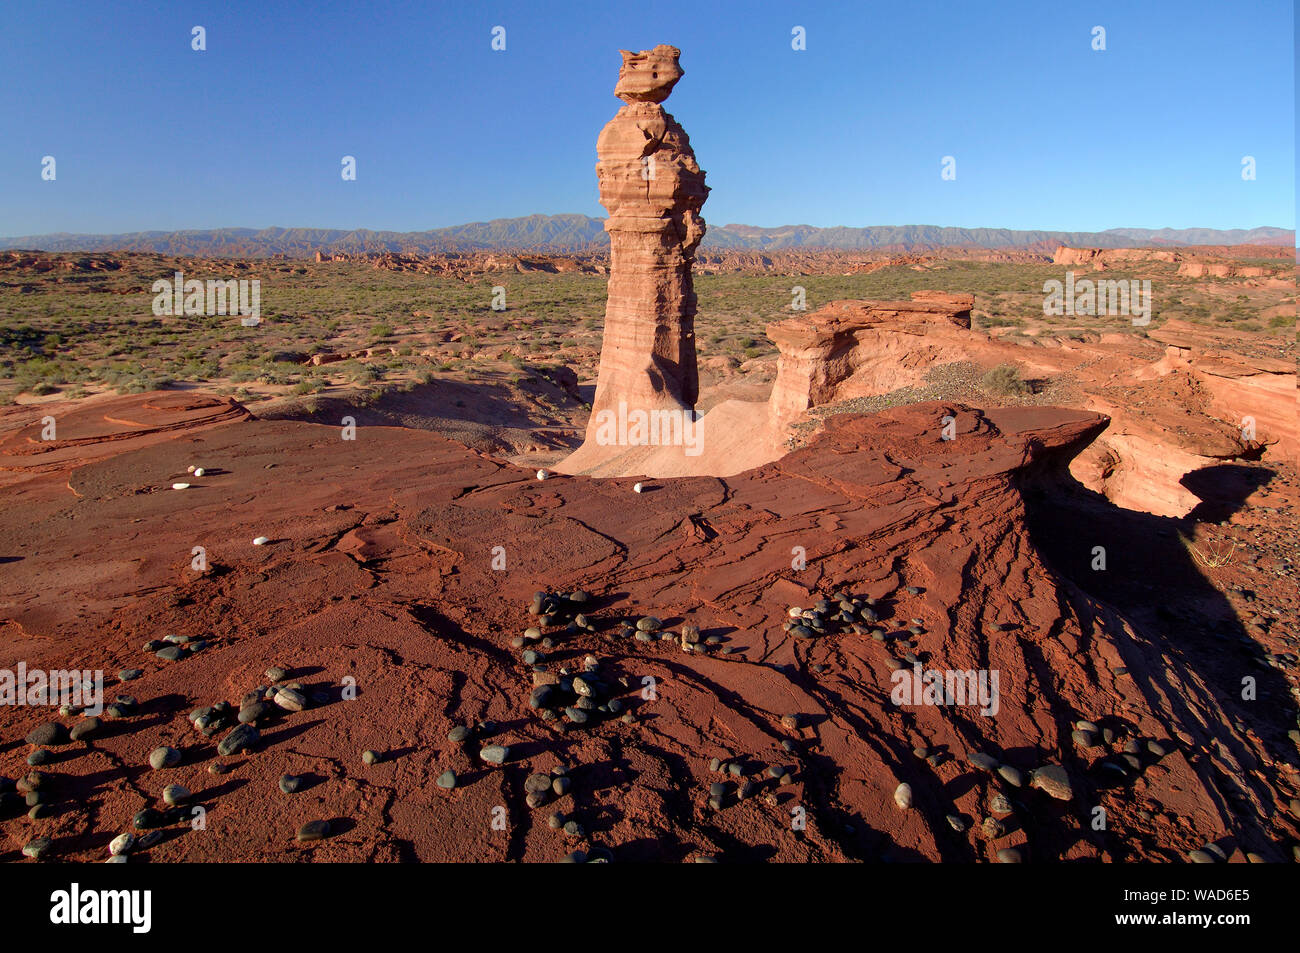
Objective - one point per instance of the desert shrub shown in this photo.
(1005, 379)
(141, 382)
(276, 377)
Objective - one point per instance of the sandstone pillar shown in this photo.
(653, 190)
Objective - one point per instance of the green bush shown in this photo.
(1005, 379)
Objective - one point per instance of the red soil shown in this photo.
(380, 570)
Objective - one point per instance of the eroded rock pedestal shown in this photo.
(858, 348)
(653, 189)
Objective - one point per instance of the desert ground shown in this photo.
(443, 657)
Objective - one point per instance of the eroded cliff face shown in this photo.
(858, 348)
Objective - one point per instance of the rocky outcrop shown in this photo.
(1222, 269)
(1255, 394)
(1100, 258)
(856, 348)
(51, 436)
(653, 189)
(1192, 262)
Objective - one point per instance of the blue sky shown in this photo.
(1046, 132)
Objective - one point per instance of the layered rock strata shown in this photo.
(653, 189)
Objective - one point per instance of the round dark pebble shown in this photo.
(313, 831)
(50, 733)
(148, 819)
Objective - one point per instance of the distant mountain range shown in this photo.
(572, 233)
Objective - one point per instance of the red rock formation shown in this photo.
(1221, 269)
(653, 190)
(1100, 258)
(378, 569)
(88, 429)
(1240, 386)
(855, 348)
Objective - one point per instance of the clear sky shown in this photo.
(1046, 132)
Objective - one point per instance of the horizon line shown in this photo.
(728, 225)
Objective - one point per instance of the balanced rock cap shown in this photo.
(648, 76)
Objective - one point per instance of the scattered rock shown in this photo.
(984, 762)
(313, 831)
(50, 734)
(240, 739)
(164, 757)
(1053, 780)
(290, 699)
(37, 848)
(251, 714)
(148, 819)
(1011, 775)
